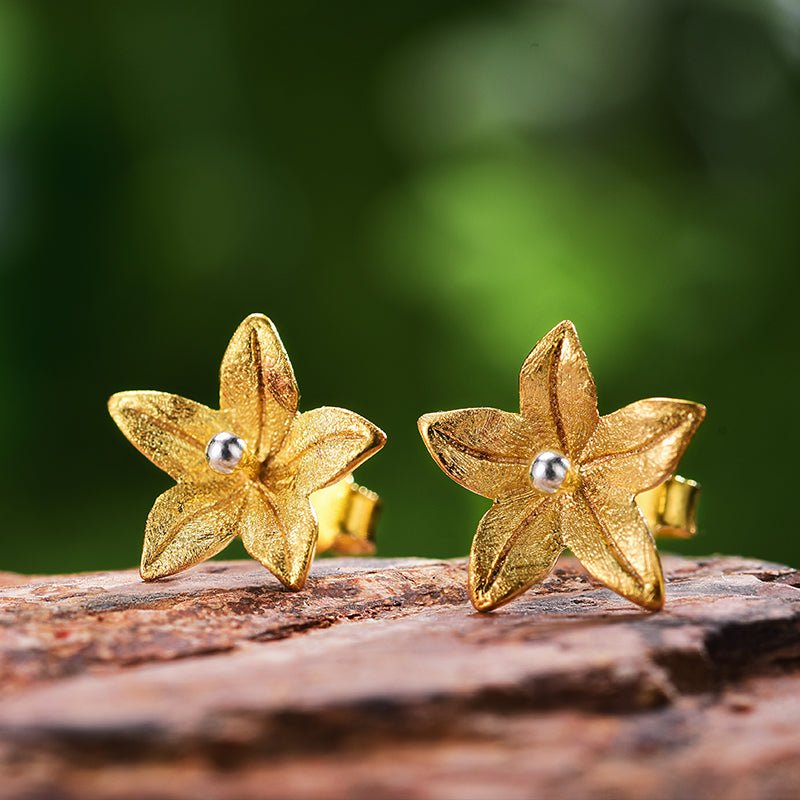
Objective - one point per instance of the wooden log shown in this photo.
(379, 680)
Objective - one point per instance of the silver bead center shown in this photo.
(224, 452)
(549, 471)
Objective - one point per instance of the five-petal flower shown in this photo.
(264, 497)
(597, 467)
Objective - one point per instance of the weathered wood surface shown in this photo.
(380, 681)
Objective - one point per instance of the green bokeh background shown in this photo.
(415, 193)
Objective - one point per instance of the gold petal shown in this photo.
(280, 531)
(258, 385)
(639, 446)
(486, 450)
(516, 545)
(557, 391)
(191, 523)
(608, 535)
(169, 430)
(321, 447)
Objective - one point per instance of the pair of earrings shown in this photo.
(560, 475)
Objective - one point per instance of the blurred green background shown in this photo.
(415, 193)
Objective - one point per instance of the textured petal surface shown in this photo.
(486, 450)
(280, 531)
(321, 447)
(516, 545)
(608, 535)
(170, 430)
(258, 386)
(190, 523)
(639, 446)
(557, 391)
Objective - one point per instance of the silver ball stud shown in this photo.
(224, 452)
(549, 470)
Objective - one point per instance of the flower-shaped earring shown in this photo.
(256, 468)
(563, 477)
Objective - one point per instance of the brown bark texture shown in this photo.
(379, 680)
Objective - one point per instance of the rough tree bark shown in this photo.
(380, 681)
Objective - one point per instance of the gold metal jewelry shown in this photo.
(562, 477)
(256, 468)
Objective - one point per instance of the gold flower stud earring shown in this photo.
(562, 477)
(255, 468)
